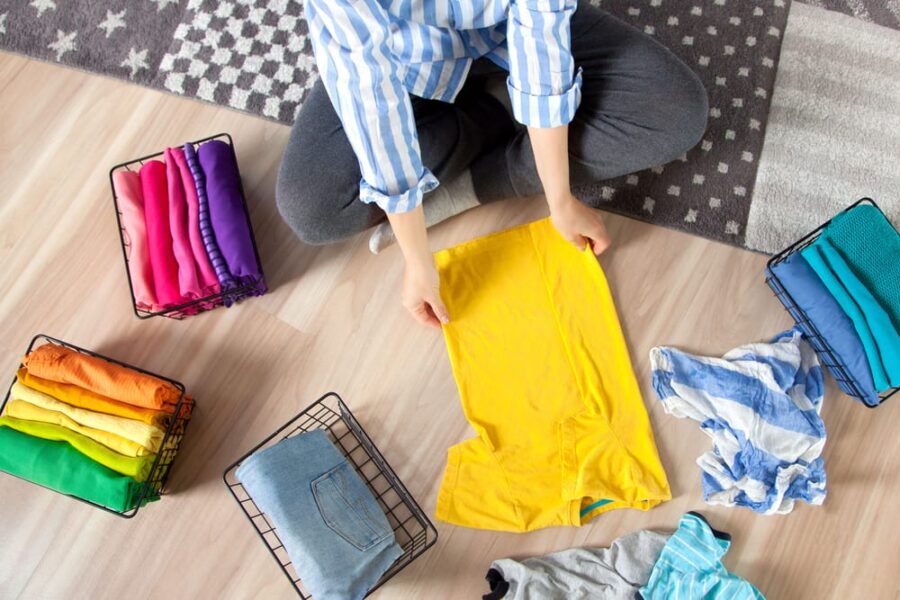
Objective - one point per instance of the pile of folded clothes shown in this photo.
(334, 531)
(186, 232)
(87, 427)
(847, 283)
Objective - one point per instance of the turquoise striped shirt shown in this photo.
(372, 54)
(690, 567)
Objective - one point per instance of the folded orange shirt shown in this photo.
(88, 400)
(60, 364)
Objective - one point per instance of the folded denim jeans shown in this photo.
(334, 531)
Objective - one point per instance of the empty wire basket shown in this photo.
(817, 338)
(175, 429)
(413, 531)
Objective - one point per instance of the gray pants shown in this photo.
(641, 107)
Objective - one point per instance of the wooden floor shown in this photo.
(333, 322)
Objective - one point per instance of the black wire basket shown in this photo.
(817, 340)
(196, 305)
(413, 530)
(175, 429)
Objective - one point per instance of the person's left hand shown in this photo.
(579, 224)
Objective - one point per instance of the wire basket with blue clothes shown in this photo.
(841, 284)
(327, 505)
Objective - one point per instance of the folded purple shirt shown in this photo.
(229, 219)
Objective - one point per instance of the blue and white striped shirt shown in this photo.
(760, 404)
(372, 54)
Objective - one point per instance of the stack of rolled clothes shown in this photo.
(187, 236)
(847, 282)
(85, 426)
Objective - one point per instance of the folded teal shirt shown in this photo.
(873, 324)
(871, 248)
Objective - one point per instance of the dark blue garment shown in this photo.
(336, 535)
(832, 323)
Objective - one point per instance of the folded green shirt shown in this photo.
(58, 466)
(136, 467)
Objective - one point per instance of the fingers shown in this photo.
(424, 315)
(579, 241)
(598, 246)
(439, 310)
(599, 238)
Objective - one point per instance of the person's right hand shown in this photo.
(421, 295)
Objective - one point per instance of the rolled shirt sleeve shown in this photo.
(544, 88)
(350, 41)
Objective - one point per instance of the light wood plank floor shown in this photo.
(333, 322)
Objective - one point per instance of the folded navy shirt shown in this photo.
(832, 323)
(333, 529)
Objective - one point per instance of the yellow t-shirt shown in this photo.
(546, 382)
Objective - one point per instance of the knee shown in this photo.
(690, 97)
(311, 214)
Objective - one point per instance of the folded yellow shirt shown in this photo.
(145, 435)
(545, 380)
(22, 409)
(76, 396)
(137, 468)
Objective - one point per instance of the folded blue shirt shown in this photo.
(334, 531)
(876, 330)
(830, 320)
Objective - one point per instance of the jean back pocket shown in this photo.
(348, 508)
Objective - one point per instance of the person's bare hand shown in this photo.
(421, 295)
(580, 224)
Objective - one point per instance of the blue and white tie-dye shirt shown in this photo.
(373, 53)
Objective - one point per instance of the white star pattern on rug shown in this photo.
(3, 23)
(65, 42)
(136, 61)
(43, 5)
(162, 4)
(112, 22)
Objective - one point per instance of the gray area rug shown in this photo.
(733, 45)
(254, 55)
(834, 127)
(880, 12)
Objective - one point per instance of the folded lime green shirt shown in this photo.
(60, 467)
(136, 467)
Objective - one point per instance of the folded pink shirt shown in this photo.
(127, 186)
(205, 272)
(159, 234)
(188, 281)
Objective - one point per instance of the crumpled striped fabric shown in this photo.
(760, 404)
